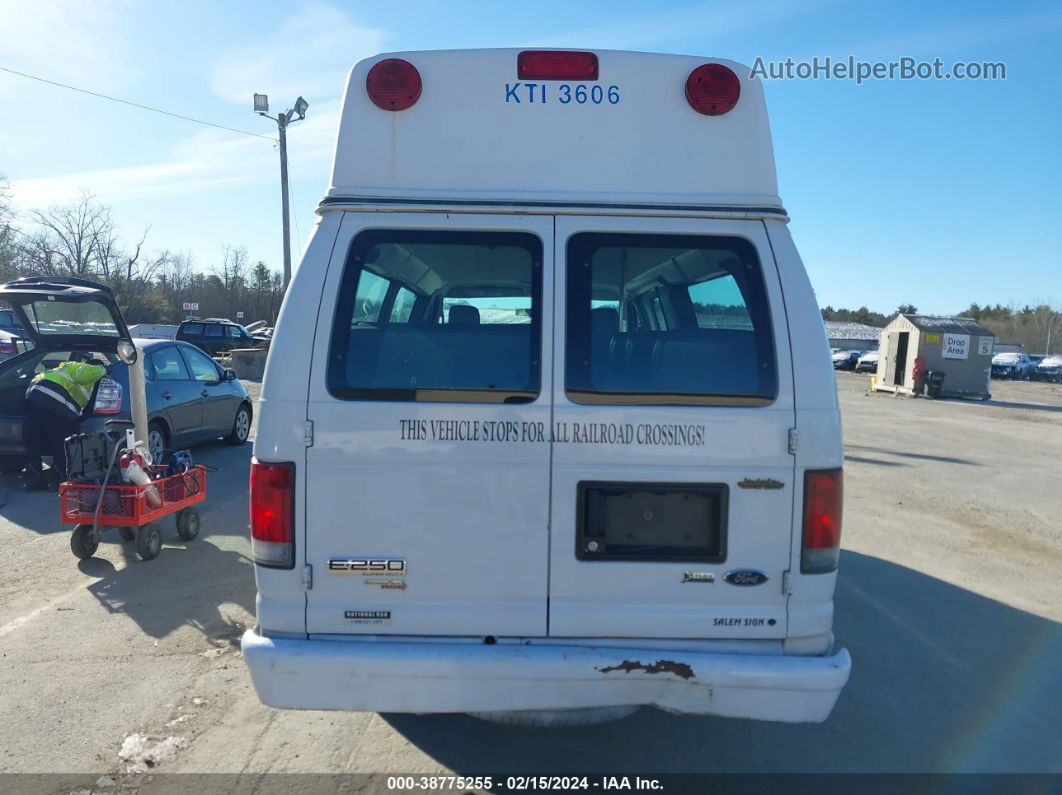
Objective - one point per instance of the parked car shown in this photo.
(845, 360)
(868, 362)
(1049, 369)
(153, 331)
(1017, 366)
(215, 335)
(190, 399)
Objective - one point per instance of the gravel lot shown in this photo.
(950, 600)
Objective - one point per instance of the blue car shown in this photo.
(190, 399)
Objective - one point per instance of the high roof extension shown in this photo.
(548, 128)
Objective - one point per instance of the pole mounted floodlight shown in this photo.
(261, 107)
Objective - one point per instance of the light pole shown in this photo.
(261, 107)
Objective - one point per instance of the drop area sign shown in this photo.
(956, 346)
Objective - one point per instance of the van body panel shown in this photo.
(280, 434)
(457, 491)
(819, 437)
(552, 376)
(736, 444)
(474, 110)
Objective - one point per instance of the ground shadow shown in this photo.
(943, 680)
(1008, 404)
(875, 461)
(943, 459)
(186, 584)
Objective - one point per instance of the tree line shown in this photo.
(1038, 329)
(81, 239)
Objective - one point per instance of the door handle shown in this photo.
(205, 393)
(167, 395)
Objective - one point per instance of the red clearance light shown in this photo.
(273, 513)
(823, 499)
(712, 89)
(556, 65)
(393, 84)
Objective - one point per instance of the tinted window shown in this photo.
(667, 319)
(167, 365)
(214, 330)
(67, 317)
(201, 365)
(402, 309)
(468, 334)
(192, 329)
(234, 332)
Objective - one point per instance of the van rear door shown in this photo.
(427, 481)
(672, 482)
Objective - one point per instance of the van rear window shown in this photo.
(438, 316)
(665, 319)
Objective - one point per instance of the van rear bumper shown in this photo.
(441, 676)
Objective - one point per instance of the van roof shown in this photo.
(479, 135)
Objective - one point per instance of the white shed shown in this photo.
(960, 347)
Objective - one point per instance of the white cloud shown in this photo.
(309, 55)
(205, 161)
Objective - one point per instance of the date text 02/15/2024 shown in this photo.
(561, 93)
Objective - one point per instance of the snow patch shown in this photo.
(141, 752)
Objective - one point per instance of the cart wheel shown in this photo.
(148, 541)
(187, 523)
(84, 542)
(127, 533)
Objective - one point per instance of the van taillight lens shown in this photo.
(108, 397)
(273, 513)
(823, 498)
(393, 84)
(7, 347)
(712, 89)
(556, 65)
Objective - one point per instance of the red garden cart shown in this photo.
(134, 510)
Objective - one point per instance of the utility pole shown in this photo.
(261, 107)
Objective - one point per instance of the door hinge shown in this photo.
(307, 433)
(792, 441)
(787, 584)
(307, 577)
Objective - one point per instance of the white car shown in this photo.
(1012, 365)
(1049, 369)
(547, 432)
(868, 362)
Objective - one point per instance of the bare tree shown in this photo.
(71, 237)
(1048, 321)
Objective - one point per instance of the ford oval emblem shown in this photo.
(745, 577)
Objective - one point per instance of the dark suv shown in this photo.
(214, 335)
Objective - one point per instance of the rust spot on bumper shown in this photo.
(660, 666)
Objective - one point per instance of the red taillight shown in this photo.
(556, 65)
(393, 84)
(823, 498)
(273, 513)
(108, 397)
(7, 347)
(712, 89)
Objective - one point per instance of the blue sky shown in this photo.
(936, 193)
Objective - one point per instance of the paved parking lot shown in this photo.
(949, 601)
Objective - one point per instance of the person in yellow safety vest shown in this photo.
(54, 402)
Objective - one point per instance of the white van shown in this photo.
(549, 422)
